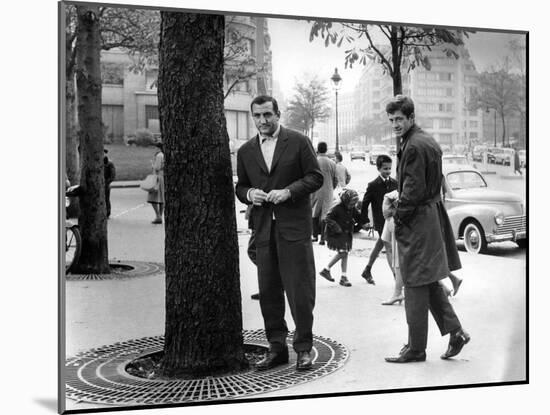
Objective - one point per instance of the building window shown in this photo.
(376, 82)
(445, 123)
(473, 113)
(449, 92)
(426, 122)
(152, 118)
(450, 107)
(112, 73)
(473, 134)
(237, 124)
(473, 124)
(445, 138)
(446, 76)
(441, 107)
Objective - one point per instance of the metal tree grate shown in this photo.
(99, 375)
(122, 270)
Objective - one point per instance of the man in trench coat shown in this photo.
(425, 243)
(277, 170)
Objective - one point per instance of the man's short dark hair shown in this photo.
(322, 147)
(262, 99)
(381, 159)
(338, 156)
(400, 103)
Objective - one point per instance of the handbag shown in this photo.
(150, 183)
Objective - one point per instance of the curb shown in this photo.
(122, 185)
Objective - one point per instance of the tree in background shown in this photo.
(92, 219)
(373, 128)
(308, 105)
(499, 89)
(135, 30)
(518, 61)
(403, 47)
(203, 329)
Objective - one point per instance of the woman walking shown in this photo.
(156, 197)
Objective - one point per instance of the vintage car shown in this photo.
(477, 153)
(358, 153)
(480, 215)
(505, 156)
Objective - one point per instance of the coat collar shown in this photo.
(282, 141)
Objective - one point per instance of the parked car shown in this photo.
(492, 154)
(377, 150)
(505, 156)
(522, 158)
(358, 154)
(477, 153)
(479, 215)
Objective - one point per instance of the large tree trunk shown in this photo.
(71, 141)
(396, 74)
(203, 332)
(92, 219)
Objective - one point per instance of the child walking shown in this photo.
(339, 233)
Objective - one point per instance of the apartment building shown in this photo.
(129, 99)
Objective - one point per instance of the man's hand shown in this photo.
(278, 196)
(258, 196)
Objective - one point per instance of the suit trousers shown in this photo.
(418, 300)
(287, 267)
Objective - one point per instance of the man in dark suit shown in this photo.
(374, 196)
(425, 242)
(277, 171)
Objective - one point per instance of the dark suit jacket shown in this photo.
(375, 196)
(294, 167)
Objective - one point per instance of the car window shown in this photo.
(465, 180)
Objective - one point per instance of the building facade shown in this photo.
(441, 97)
(129, 98)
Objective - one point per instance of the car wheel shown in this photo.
(474, 238)
(522, 243)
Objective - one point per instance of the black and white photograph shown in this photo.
(262, 206)
(268, 209)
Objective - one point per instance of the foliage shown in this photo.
(375, 127)
(143, 138)
(308, 105)
(403, 45)
(499, 89)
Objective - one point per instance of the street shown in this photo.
(491, 305)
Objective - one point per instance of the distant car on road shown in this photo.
(505, 156)
(377, 150)
(492, 154)
(479, 215)
(358, 154)
(477, 153)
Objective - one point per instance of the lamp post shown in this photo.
(336, 79)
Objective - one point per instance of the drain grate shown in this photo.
(99, 375)
(122, 270)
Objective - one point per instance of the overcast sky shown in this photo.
(294, 55)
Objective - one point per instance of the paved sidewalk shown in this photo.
(492, 297)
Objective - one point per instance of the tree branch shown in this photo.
(382, 57)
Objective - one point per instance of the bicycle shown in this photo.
(73, 239)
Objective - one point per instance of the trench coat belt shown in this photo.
(433, 200)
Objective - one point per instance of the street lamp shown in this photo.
(336, 79)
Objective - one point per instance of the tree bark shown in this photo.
(92, 218)
(71, 141)
(203, 332)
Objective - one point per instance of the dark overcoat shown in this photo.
(340, 223)
(294, 167)
(426, 245)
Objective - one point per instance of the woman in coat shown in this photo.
(322, 200)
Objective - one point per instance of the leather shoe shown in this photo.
(255, 296)
(366, 274)
(304, 361)
(456, 343)
(408, 355)
(273, 359)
